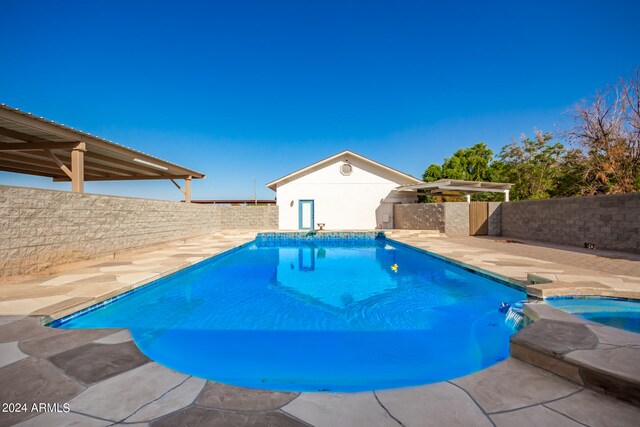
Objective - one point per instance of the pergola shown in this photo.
(460, 186)
(37, 146)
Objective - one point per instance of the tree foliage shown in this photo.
(604, 158)
(471, 164)
(532, 165)
(608, 130)
(433, 173)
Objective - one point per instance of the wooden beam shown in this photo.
(42, 159)
(50, 170)
(29, 161)
(187, 190)
(61, 165)
(42, 167)
(178, 187)
(125, 178)
(92, 165)
(16, 169)
(33, 146)
(77, 169)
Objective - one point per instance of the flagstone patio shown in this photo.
(106, 380)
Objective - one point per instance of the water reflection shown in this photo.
(349, 275)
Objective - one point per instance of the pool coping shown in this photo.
(532, 286)
(597, 356)
(69, 313)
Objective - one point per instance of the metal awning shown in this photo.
(37, 146)
(460, 186)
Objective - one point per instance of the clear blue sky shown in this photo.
(241, 89)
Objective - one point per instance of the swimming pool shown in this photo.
(317, 315)
(616, 312)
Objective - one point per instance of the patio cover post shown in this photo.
(187, 189)
(468, 198)
(506, 195)
(77, 168)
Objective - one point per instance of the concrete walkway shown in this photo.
(105, 380)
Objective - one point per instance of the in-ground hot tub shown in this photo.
(617, 312)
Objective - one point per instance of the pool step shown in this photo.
(541, 289)
(596, 356)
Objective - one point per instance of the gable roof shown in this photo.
(273, 185)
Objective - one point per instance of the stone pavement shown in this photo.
(546, 270)
(107, 381)
(597, 356)
(72, 287)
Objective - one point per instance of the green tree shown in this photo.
(533, 166)
(570, 179)
(471, 164)
(433, 173)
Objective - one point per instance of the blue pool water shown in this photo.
(317, 316)
(619, 313)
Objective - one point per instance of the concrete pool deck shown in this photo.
(554, 270)
(72, 287)
(106, 380)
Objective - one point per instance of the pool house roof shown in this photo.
(36, 146)
(345, 155)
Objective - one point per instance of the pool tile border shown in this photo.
(59, 318)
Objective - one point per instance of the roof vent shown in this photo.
(346, 168)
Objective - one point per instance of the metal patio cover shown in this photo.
(37, 146)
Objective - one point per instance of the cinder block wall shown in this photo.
(248, 217)
(451, 218)
(40, 228)
(495, 218)
(611, 221)
(456, 215)
(419, 216)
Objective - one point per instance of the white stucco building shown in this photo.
(345, 192)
